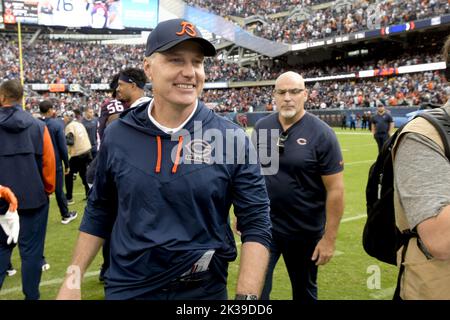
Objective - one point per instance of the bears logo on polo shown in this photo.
(187, 28)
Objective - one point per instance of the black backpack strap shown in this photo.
(406, 236)
(396, 296)
(440, 119)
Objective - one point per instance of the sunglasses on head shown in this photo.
(281, 140)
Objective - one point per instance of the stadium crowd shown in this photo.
(406, 90)
(85, 63)
(324, 22)
(402, 90)
(247, 8)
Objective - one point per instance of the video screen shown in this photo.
(98, 14)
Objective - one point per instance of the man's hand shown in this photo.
(11, 225)
(9, 196)
(68, 294)
(66, 171)
(324, 251)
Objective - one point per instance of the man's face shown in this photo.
(290, 96)
(89, 114)
(177, 75)
(124, 91)
(380, 109)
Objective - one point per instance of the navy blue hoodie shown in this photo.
(27, 160)
(164, 213)
(56, 130)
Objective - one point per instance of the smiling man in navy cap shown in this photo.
(163, 190)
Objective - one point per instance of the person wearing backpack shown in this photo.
(422, 204)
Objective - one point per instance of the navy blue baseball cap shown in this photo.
(168, 34)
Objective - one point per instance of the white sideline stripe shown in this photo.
(358, 162)
(47, 283)
(338, 253)
(359, 133)
(360, 216)
(383, 293)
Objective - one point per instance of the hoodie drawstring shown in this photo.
(159, 154)
(177, 159)
(158, 160)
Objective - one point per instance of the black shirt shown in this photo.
(297, 193)
(382, 123)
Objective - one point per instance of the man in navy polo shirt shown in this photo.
(306, 188)
(382, 125)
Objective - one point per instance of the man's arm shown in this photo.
(86, 249)
(62, 147)
(48, 163)
(373, 128)
(334, 185)
(251, 207)
(435, 234)
(252, 268)
(391, 127)
(425, 195)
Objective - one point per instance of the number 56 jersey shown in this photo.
(108, 108)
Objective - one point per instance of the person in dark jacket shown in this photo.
(27, 163)
(56, 130)
(164, 193)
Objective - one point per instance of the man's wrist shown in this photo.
(239, 296)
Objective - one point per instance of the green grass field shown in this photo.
(344, 278)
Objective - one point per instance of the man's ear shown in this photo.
(148, 68)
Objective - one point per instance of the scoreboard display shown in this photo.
(98, 14)
(23, 11)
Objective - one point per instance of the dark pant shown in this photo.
(33, 226)
(297, 257)
(78, 164)
(201, 286)
(59, 193)
(381, 139)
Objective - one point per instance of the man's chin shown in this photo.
(287, 114)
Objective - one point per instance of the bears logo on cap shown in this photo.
(187, 28)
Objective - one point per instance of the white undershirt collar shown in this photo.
(166, 129)
(139, 101)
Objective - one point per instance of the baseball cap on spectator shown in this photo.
(169, 33)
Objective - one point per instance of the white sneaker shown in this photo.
(71, 216)
(45, 267)
(11, 272)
